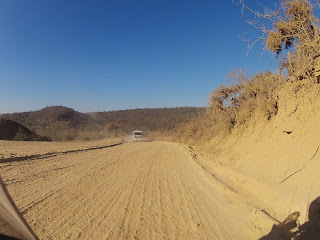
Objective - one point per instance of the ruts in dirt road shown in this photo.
(144, 190)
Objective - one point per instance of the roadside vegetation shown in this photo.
(292, 33)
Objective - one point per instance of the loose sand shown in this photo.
(144, 190)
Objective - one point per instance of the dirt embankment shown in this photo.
(11, 130)
(275, 164)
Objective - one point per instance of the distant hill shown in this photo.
(63, 123)
(56, 122)
(55, 115)
(147, 119)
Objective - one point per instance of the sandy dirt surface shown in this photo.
(145, 190)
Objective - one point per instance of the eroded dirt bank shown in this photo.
(145, 190)
(275, 164)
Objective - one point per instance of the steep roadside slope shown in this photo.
(276, 163)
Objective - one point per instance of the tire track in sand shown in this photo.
(145, 190)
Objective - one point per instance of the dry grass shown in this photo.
(295, 34)
(292, 32)
(232, 106)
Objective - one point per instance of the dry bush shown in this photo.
(113, 128)
(197, 131)
(295, 22)
(235, 104)
(293, 34)
(258, 95)
(232, 106)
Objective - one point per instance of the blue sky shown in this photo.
(120, 54)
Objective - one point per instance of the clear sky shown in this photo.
(119, 54)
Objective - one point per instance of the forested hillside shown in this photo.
(151, 119)
(63, 123)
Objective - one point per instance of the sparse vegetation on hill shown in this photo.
(55, 115)
(57, 122)
(152, 119)
(62, 123)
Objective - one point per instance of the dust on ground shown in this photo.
(138, 190)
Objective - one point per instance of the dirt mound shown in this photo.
(11, 130)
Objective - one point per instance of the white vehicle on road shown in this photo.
(137, 135)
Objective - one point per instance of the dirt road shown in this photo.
(145, 190)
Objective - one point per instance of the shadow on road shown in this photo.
(290, 228)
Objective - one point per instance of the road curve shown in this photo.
(144, 190)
